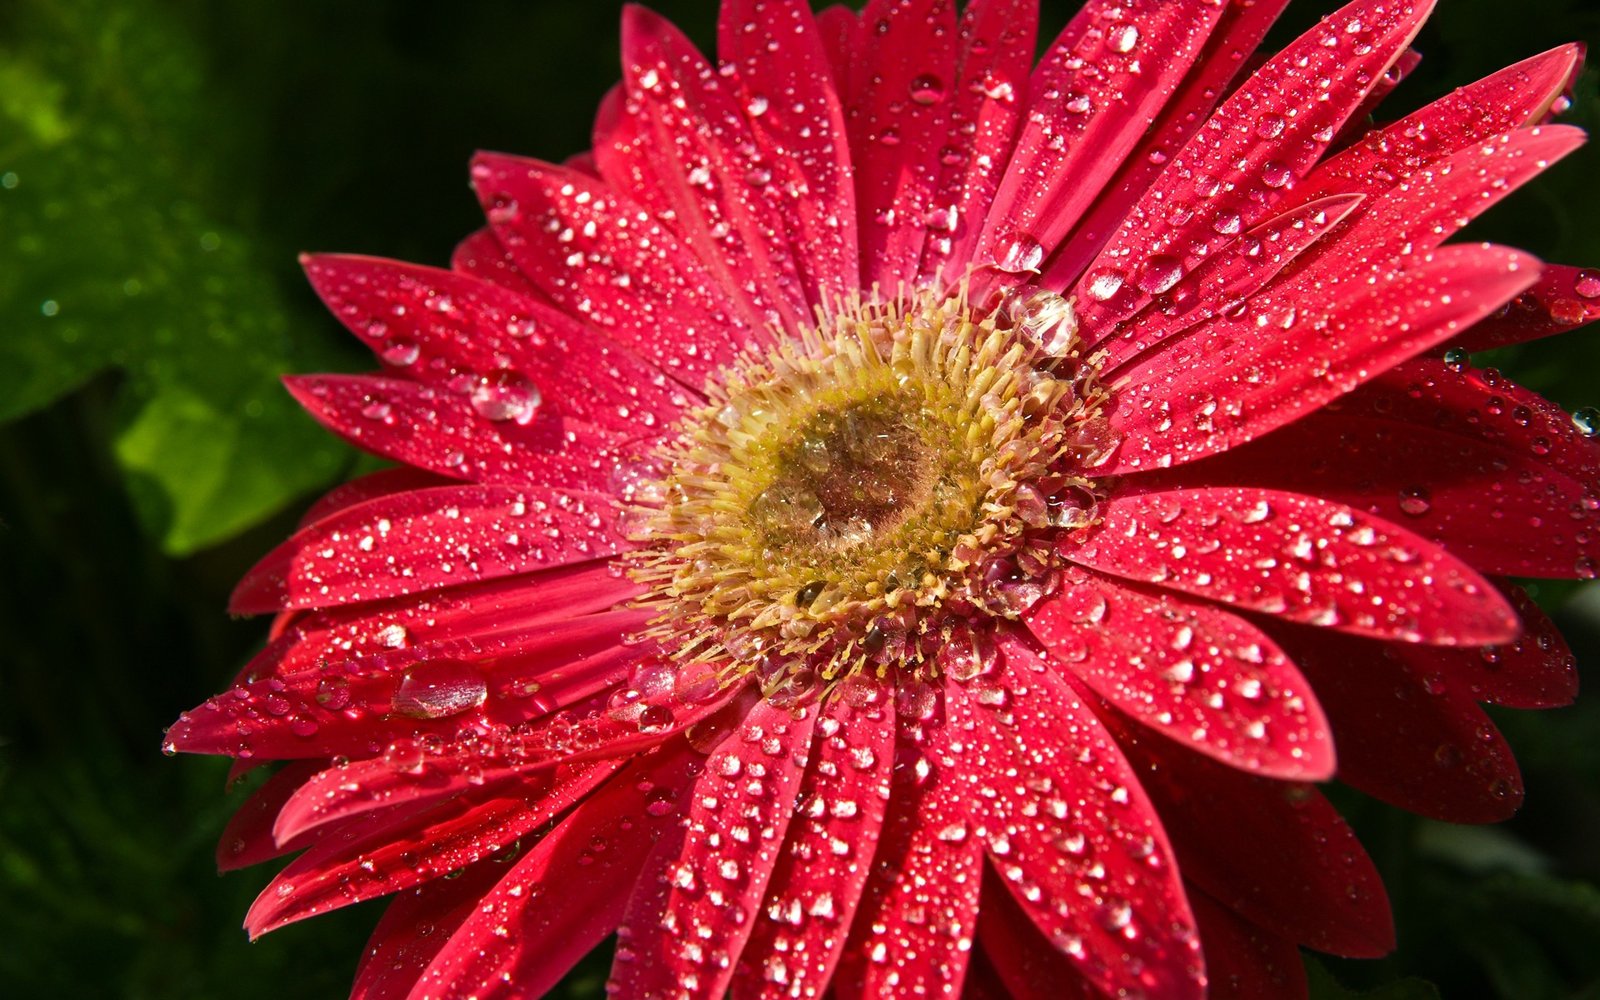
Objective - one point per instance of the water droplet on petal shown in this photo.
(927, 89)
(439, 688)
(1415, 501)
(505, 395)
(1020, 253)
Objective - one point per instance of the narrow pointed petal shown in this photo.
(1437, 200)
(990, 97)
(346, 634)
(1294, 349)
(1225, 280)
(385, 482)
(688, 155)
(840, 28)
(1027, 965)
(1089, 104)
(412, 774)
(437, 431)
(449, 329)
(1263, 138)
(802, 925)
(1564, 298)
(1420, 745)
(1238, 34)
(415, 926)
(777, 49)
(695, 905)
(1516, 96)
(899, 120)
(1360, 122)
(914, 929)
(613, 264)
(1276, 853)
(1202, 676)
(483, 256)
(1442, 486)
(607, 838)
(1070, 831)
(428, 539)
(409, 849)
(248, 838)
(1314, 562)
(1243, 961)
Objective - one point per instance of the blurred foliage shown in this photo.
(161, 164)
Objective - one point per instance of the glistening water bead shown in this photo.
(851, 502)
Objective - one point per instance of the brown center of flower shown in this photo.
(848, 476)
(856, 497)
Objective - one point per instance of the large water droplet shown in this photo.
(505, 395)
(438, 689)
(927, 89)
(1020, 253)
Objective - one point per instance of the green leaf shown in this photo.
(118, 195)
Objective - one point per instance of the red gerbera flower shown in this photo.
(898, 519)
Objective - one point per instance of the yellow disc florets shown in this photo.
(854, 498)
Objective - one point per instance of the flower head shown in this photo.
(897, 519)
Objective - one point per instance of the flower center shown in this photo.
(848, 476)
(862, 494)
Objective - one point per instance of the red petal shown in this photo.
(1535, 670)
(1439, 199)
(415, 926)
(247, 839)
(1299, 558)
(600, 255)
(898, 121)
(524, 936)
(385, 482)
(688, 155)
(428, 539)
(801, 928)
(1264, 137)
(1446, 487)
(1090, 101)
(839, 27)
(1070, 831)
(345, 634)
(1277, 853)
(481, 255)
(695, 904)
(914, 928)
(1224, 280)
(1564, 298)
(777, 50)
(437, 431)
(1229, 381)
(1360, 121)
(412, 773)
(1420, 745)
(1202, 676)
(1385, 158)
(990, 96)
(1243, 961)
(1025, 962)
(385, 857)
(454, 330)
(1235, 37)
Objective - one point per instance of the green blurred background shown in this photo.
(161, 164)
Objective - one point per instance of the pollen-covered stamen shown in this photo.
(860, 495)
